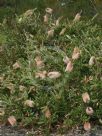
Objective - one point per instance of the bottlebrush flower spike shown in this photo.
(49, 10)
(29, 103)
(100, 120)
(12, 120)
(66, 60)
(16, 65)
(2, 112)
(87, 126)
(92, 61)
(11, 87)
(41, 74)
(28, 13)
(87, 79)
(20, 20)
(89, 111)
(22, 88)
(54, 74)
(50, 33)
(77, 17)
(76, 53)
(62, 31)
(1, 79)
(69, 67)
(86, 97)
(39, 62)
(47, 112)
(58, 21)
(46, 19)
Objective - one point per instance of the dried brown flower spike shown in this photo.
(22, 88)
(89, 111)
(11, 88)
(28, 13)
(29, 103)
(49, 10)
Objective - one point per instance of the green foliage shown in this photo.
(26, 38)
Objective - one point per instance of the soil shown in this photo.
(11, 131)
(14, 131)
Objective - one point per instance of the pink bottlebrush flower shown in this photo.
(29, 103)
(76, 53)
(86, 97)
(54, 74)
(12, 120)
(69, 67)
(87, 126)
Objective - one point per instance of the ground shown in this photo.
(13, 131)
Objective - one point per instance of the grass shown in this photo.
(37, 100)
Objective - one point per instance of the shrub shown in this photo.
(37, 87)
